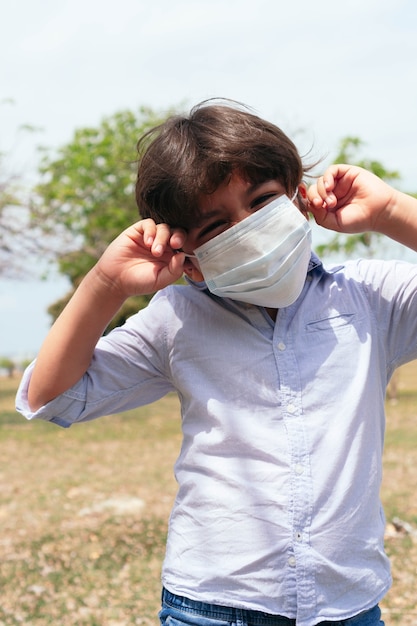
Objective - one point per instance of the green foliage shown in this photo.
(86, 197)
(131, 306)
(8, 365)
(87, 189)
(349, 148)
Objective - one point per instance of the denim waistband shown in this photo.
(255, 618)
(226, 613)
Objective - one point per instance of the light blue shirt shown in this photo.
(279, 473)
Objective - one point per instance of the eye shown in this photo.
(263, 199)
(210, 228)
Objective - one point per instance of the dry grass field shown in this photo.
(83, 513)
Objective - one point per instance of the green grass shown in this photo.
(68, 557)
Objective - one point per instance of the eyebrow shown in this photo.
(253, 187)
(207, 216)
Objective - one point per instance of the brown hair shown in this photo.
(189, 156)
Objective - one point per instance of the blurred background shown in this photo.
(79, 80)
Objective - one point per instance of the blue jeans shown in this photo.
(179, 611)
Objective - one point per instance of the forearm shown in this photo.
(399, 222)
(67, 351)
(141, 260)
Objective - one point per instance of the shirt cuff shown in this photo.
(49, 412)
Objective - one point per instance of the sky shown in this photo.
(320, 70)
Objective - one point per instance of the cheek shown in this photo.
(303, 207)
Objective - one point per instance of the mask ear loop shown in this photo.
(188, 256)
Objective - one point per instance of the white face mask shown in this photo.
(261, 260)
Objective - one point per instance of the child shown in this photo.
(280, 365)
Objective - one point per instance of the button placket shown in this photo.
(298, 559)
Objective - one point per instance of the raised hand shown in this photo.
(142, 259)
(349, 199)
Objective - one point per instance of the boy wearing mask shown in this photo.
(280, 366)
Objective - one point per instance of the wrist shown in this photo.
(390, 213)
(399, 220)
(103, 288)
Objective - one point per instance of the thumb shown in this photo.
(319, 211)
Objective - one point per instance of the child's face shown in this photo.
(229, 204)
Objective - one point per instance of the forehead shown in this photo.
(232, 187)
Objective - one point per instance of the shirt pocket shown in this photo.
(334, 322)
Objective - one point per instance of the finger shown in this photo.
(319, 212)
(338, 178)
(321, 187)
(312, 193)
(317, 194)
(338, 170)
(176, 265)
(321, 194)
(171, 271)
(147, 228)
(161, 240)
(178, 237)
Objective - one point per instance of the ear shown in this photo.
(302, 190)
(302, 202)
(192, 271)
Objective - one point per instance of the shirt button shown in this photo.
(281, 346)
(291, 561)
(291, 408)
(299, 469)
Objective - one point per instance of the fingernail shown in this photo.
(158, 249)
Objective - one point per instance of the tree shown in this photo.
(348, 152)
(8, 365)
(8, 199)
(16, 241)
(86, 196)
